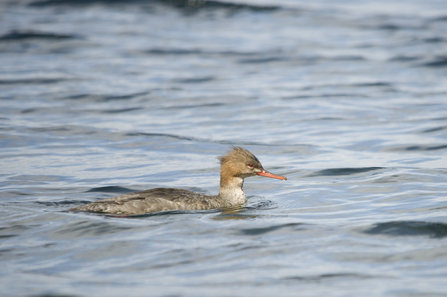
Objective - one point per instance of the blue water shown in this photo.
(348, 99)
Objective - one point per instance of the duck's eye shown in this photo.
(250, 165)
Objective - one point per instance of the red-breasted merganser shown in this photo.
(236, 165)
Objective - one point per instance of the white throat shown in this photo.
(232, 192)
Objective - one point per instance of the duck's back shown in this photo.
(153, 200)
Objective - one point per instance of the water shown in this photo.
(348, 99)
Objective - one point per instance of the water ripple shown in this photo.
(16, 35)
(409, 228)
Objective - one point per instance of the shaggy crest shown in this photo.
(238, 154)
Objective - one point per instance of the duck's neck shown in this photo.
(231, 190)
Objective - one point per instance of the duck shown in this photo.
(235, 166)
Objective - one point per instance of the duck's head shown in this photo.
(241, 163)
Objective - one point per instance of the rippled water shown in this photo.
(348, 99)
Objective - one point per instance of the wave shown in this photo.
(343, 171)
(23, 35)
(181, 4)
(30, 81)
(110, 189)
(261, 231)
(106, 98)
(415, 148)
(409, 228)
(323, 277)
(437, 62)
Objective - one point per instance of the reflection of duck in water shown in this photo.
(235, 166)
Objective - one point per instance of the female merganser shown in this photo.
(236, 165)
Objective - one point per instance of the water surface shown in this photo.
(345, 98)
